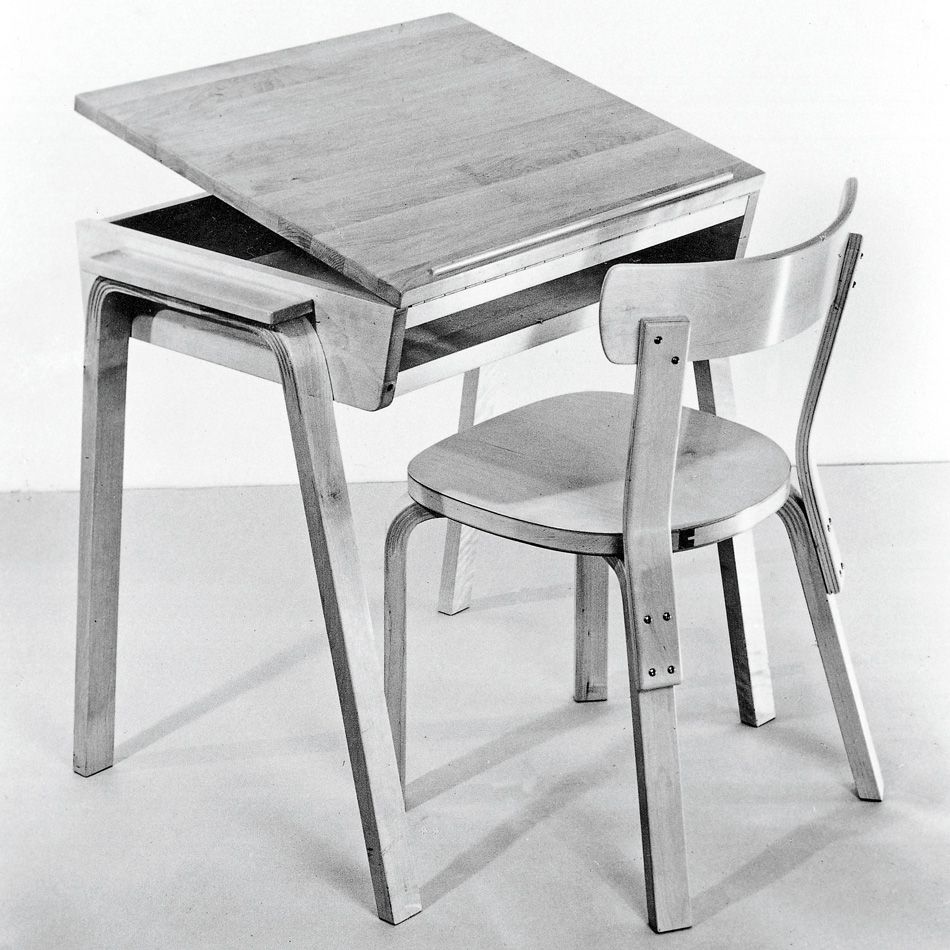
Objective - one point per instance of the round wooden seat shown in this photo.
(552, 474)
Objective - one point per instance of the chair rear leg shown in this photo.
(659, 789)
(394, 624)
(842, 683)
(590, 629)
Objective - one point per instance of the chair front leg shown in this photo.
(346, 611)
(590, 629)
(823, 609)
(108, 328)
(394, 623)
(662, 828)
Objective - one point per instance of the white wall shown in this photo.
(810, 91)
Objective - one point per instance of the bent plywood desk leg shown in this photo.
(303, 372)
(108, 328)
(740, 576)
(458, 558)
(346, 611)
(737, 564)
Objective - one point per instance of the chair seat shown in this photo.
(552, 474)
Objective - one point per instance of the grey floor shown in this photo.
(230, 820)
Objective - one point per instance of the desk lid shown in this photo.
(417, 158)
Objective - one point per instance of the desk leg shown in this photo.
(356, 666)
(458, 559)
(100, 522)
(740, 578)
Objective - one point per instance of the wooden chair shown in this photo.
(636, 479)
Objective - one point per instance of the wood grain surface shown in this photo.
(411, 157)
(552, 474)
(733, 306)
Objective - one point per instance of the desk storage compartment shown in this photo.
(541, 313)
(207, 252)
(212, 225)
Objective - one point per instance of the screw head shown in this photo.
(657, 339)
(666, 615)
(675, 360)
(671, 669)
(652, 671)
(648, 619)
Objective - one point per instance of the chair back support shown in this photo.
(648, 499)
(733, 306)
(660, 316)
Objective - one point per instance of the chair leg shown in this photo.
(842, 683)
(100, 520)
(394, 623)
(659, 788)
(590, 629)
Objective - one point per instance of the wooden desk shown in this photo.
(384, 210)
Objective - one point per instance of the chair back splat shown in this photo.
(744, 305)
(733, 306)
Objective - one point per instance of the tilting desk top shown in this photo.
(419, 159)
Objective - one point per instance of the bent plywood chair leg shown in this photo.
(590, 629)
(394, 623)
(740, 576)
(346, 611)
(823, 609)
(100, 522)
(659, 789)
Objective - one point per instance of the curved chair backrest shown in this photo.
(662, 315)
(732, 306)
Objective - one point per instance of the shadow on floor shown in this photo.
(524, 595)
(544, 803)
(256, 676)
(506, 746)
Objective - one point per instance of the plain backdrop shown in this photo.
(809, 91)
